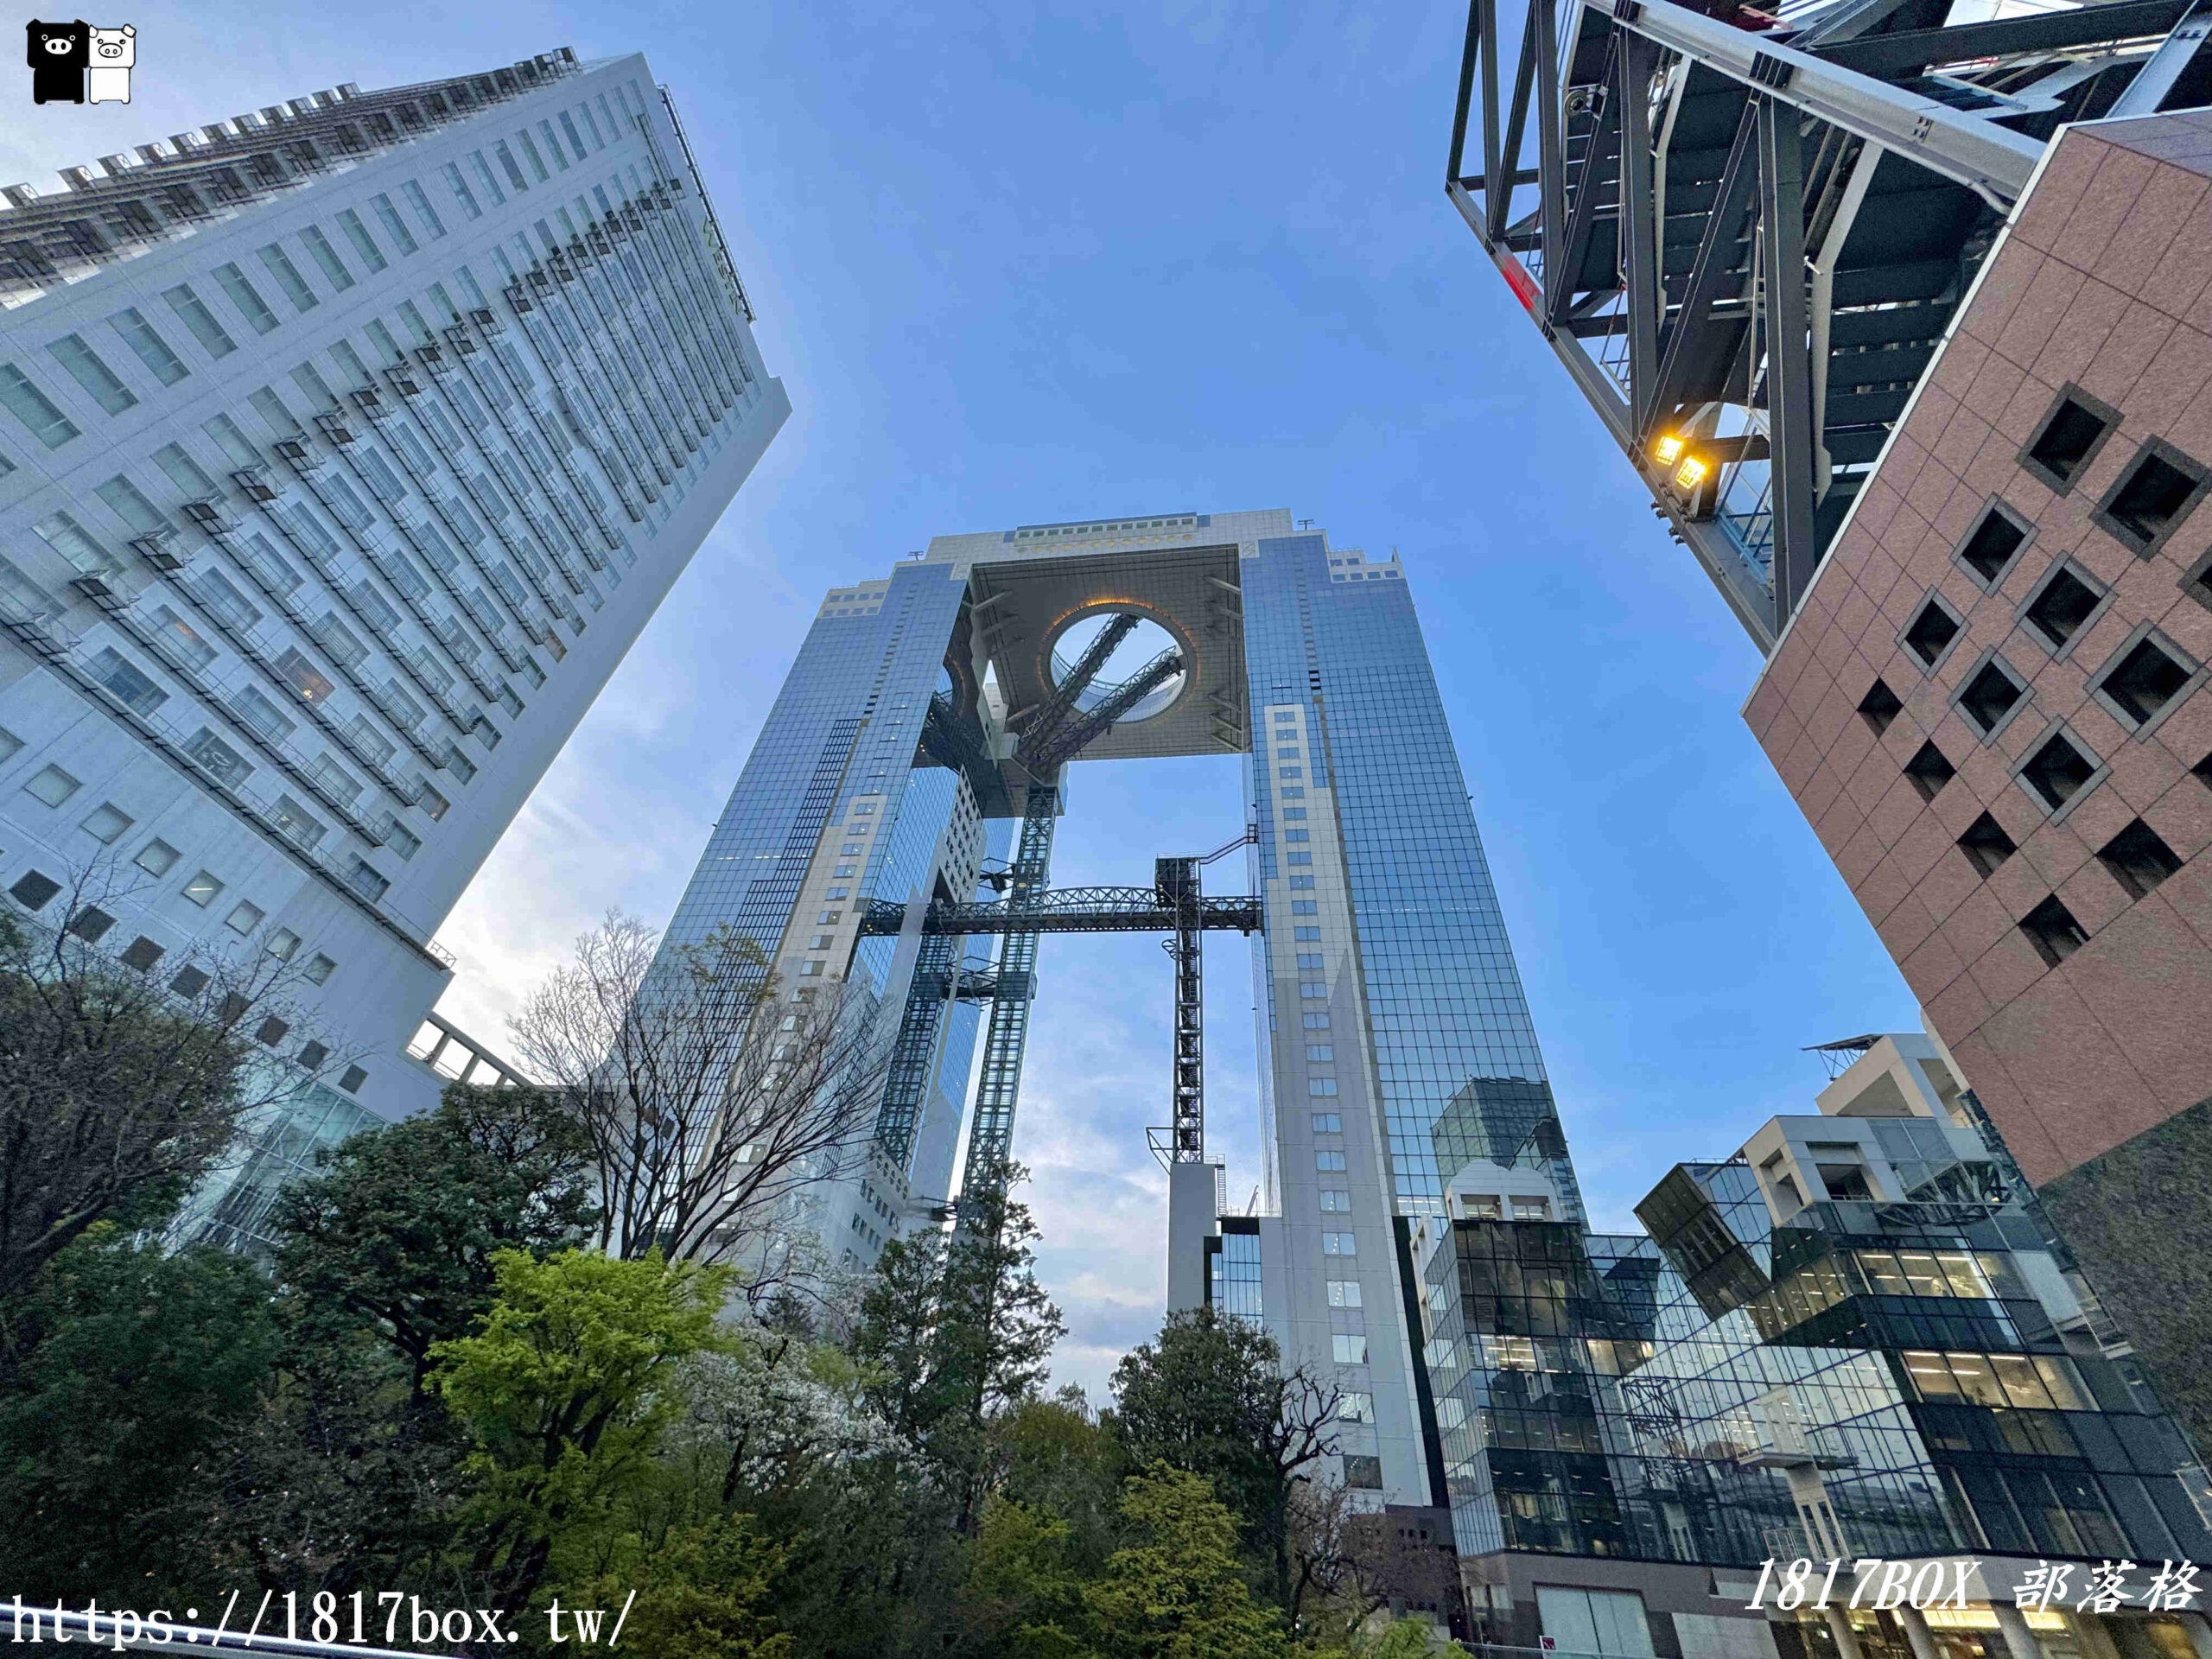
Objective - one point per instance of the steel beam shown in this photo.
(1570, 251)
(1055, 710)
(998, 1090)
(1791, 419)
(1992, 161)
(1914, 51)
(1068, 910)
(1635, 60)
(1700, 348)
(914, 1053)
(1551, 140)
(2156, 78)
(1069, 737)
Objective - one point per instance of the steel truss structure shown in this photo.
(1746, 236)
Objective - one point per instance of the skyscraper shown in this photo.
(347, 447)
(936, 722)
(1902, 318)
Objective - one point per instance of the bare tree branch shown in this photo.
(711, 1099)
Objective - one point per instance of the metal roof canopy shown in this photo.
(1864, 148)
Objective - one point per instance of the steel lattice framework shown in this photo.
(990, 1137)
(1746, 236)
(1073, 910)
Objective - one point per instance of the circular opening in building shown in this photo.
(1141, 645)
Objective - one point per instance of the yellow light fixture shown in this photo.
(1668, 450)
(1690, 473)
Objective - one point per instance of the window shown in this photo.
(1986, 845)
(2058, 771)
(297, 822)
(2157, 490)
(318, 248)
(193, 312)
(1339, 1244)
(1931, 632)
(247, 297)
(142, 954)
(34, 890)
(1309, 935)
(1930, 771)
(53, 786)
(1316, 1021)
(313, 1055)
(67, 537)
(354, 1077)
(125, 500)
(365, 879)
(1328, 1161)
(1354, 1406)
(394, 226)
(288, 278)
(319, 969)
(1990, 696)
(156, 858)
(2072, 430)
(484, 177)
(811, 970)
(2143, 682)
(1300, 883)
(1349, 1349)
(402, 840)
(243, 918)
(34, 408)
(271, 1032)
(282, 944)
(1532, 1208)
(164, 364)
(2061, 606)
(130, 688)
(461, 191)
(829, 918)
(1880, 707)
(1310, 961)
(11, 744)
(1305, 907)
(435, 805)
(1344, 1293)
(363, 243)
(428, 214)
(1322, 1052)
(1990, 546)
(203, 889)
(107, 823)
(2139, 858)
(1289, 754)
(1321, 1086)
(1334, 1202)
(85, 368)
(90, 923)
(1313, 991)
(2050, 928)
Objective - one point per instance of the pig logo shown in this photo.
(114, 51)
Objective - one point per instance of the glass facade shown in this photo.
(1884, 1378)
(1454, 1050)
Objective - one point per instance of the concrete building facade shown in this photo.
(346, 449)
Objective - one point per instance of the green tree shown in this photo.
(1210, 1396)
(134, 1365)
(399, 1229)
(1056, 1457)
(567, 1393)
(700, 1594)
(115, 1095)
(1178, 1592)
(1024, 1594)
(958, 1332)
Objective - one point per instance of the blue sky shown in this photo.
(1040, 262)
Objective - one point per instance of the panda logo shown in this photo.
(58, 54)
(114, 52)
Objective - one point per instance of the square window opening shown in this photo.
(1930, 771)
(2058, 771)
(1989, 549)
(2069, 439)
(2050, 928)
(2144, 681)
(2061, 607)
(1990, 696)
(1931, 633)
(1986, 844)
(2158, 490)
(1880, 706)
(2139, 858)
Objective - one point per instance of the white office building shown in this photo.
(345, 448)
